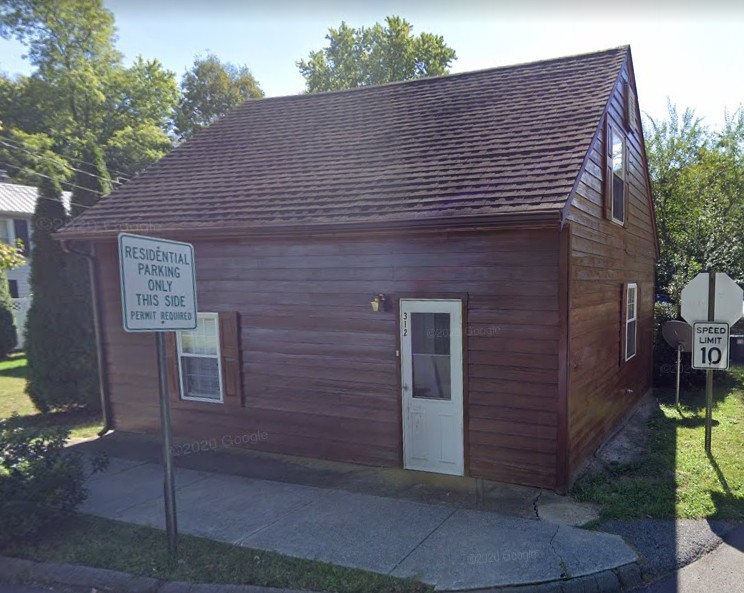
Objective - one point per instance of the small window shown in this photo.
(631, 320)
(20, 227)
(199, 363)
(13, 288)
(617, 144)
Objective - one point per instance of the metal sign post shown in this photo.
(716, 298)
(678, 335)
(169, 485)
(158, 294)
(709, 372)
(679, 372)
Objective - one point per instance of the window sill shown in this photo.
(202, 400)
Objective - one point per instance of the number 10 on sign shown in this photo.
(710, 346)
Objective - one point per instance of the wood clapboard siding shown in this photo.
(320, 375)
(605, 256)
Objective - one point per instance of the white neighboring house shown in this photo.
(17, 204)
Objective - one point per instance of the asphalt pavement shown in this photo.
(721, 571)
(6, 588)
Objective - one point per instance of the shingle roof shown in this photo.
(21, 199)
(492, 142)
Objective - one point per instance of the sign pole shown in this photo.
(709, 372)
(158, 294)
(169, 488)
(679, 365)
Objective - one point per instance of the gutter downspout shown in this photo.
(97, 331)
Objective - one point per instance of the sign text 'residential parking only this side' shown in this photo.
(157, 284)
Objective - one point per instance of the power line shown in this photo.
(71, 158)
(65, 182)
(41, 156)
(118, 174)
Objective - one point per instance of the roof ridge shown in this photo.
(430, 79)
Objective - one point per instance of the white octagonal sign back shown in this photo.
(728, 301)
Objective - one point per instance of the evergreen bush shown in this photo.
(52, 380)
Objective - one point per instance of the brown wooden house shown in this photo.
(501, 224)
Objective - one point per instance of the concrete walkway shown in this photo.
(449, 547)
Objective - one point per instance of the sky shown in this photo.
(687, 51)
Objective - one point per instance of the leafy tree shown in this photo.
(375, 55)
(79, 108)
(698, 183)
(11, 257)
(139, 107)
(209, 90)
(26, 154)
(80, 92)
(71, 44)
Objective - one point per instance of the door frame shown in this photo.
(463, 297)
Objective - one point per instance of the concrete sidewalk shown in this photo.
(449, 547)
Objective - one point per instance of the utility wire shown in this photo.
(41, 156)
(118, 174)
(79, 160)
(65, 182)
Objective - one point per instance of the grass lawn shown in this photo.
(676, 478)
(138, 550)
(13, 399)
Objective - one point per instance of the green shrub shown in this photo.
(8, 335)
(40, 482)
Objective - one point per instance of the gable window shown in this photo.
(631, 319)
(199, 362)
(617, 173)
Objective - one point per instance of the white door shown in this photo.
(431, 382)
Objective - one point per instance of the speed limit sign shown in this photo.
(710, 346)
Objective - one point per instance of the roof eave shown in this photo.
(546, 218)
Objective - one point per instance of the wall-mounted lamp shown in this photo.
(378, 303)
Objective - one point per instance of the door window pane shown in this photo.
(430, 348)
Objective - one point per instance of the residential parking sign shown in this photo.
(158, 286)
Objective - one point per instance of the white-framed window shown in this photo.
(199, 360)
(631, 319)
(617, 180)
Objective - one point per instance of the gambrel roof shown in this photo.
(499, 142)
